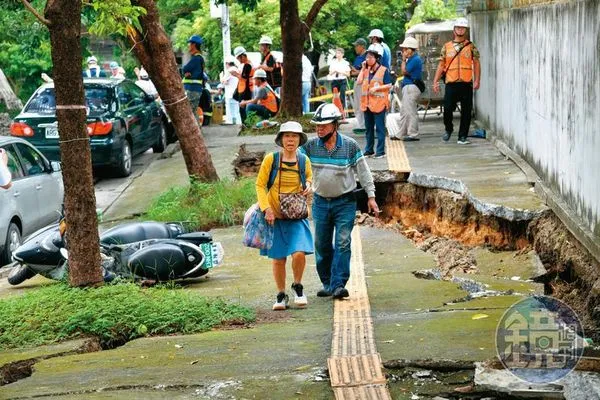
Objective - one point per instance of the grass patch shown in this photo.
(249, 129)
(114, 313)
(205, 205)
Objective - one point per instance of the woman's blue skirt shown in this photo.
(290, 236)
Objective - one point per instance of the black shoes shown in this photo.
(340, 293)
(323, 293)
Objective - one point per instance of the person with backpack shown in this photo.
(282, 186)
(459, 67)
(265, 103)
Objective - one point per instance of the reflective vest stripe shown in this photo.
(187, 80)
(379, 101)
(461, 68)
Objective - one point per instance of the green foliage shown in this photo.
(24, 47)
(114, 313)
(205, 205)
(430, 10)
(113, 17)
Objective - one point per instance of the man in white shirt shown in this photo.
(307, 71)
(5, 175)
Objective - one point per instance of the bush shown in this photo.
(114, 313)
(205, 205)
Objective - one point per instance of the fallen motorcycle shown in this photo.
(138, 250)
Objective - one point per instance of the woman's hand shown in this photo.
(270, 216)
(308, 190)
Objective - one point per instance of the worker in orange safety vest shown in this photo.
(265, 102)
(460, 68)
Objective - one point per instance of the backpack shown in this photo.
(275, 167)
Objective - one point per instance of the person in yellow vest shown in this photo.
(459, 62)
(375, 81)
(264, 103)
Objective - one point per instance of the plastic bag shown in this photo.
(258, 234)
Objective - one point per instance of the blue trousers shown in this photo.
(375, 123)
(259, 110)
(333, 217)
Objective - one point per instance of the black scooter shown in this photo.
(138, 250)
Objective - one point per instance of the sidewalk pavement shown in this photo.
(284, 354)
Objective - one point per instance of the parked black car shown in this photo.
(122, 121)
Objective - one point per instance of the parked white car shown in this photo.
(35, 198)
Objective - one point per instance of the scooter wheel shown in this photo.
(20, 274)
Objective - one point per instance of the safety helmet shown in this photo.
(326, 114)
(376, 49)
(376, 33)
(293, 127)
(238, 51)
(410, 43)
(92, 59)
(113, 65)
(260, 73)
(196, 39)
(461, 22)
(264, 39)
(143, 74)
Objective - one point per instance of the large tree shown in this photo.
(63, 19)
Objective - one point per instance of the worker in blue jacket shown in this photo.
(193, 73)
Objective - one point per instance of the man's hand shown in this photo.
(308, 190)
(476, 85)
(187, 74)
(436, 87)
(270, 216)
(373, 207)
(3, 157)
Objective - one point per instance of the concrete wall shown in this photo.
(540, 91)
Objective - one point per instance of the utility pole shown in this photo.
(222, 11)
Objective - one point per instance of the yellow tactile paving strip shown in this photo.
(355, 368)
(396, 156)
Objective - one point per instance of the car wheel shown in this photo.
(161, 141)
(19, 274)
(13, 241)
(125, 161)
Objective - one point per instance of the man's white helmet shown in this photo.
(260, 73)
(91, 60)
(264, 39)
(410, 43)
(376, 33)
(238, 51)
(376, 48)
(143, 74)
(461, 22)
(326, 114)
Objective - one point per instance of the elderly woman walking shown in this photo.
(282, 185)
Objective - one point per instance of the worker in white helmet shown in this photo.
(376, 36)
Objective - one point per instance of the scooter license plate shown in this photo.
(213, 254)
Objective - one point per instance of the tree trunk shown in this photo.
(80, 202)
(292, 41)
(154, 50)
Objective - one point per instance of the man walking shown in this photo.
(193, 73)
(459, 62)
(360, 48)
(335, 160)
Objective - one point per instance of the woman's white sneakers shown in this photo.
(299, 296)
(281, 302)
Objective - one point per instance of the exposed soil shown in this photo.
(247, 163)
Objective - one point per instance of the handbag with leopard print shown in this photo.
(292, 205)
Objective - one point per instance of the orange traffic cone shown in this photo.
(338, 102)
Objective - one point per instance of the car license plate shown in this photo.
(51, 133)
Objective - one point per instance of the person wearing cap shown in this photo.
(264, 103)
(268, 62)
(376, 82)
(245, 75)
(144, 82)
(193, 73)
(116, 72)
(376, 36)
(230, 83)
(459, 61)
(93, 69)
(307, 73)
(336, 161)
(360, 48)
(5, 175)
(412, 70)
(290, 237)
